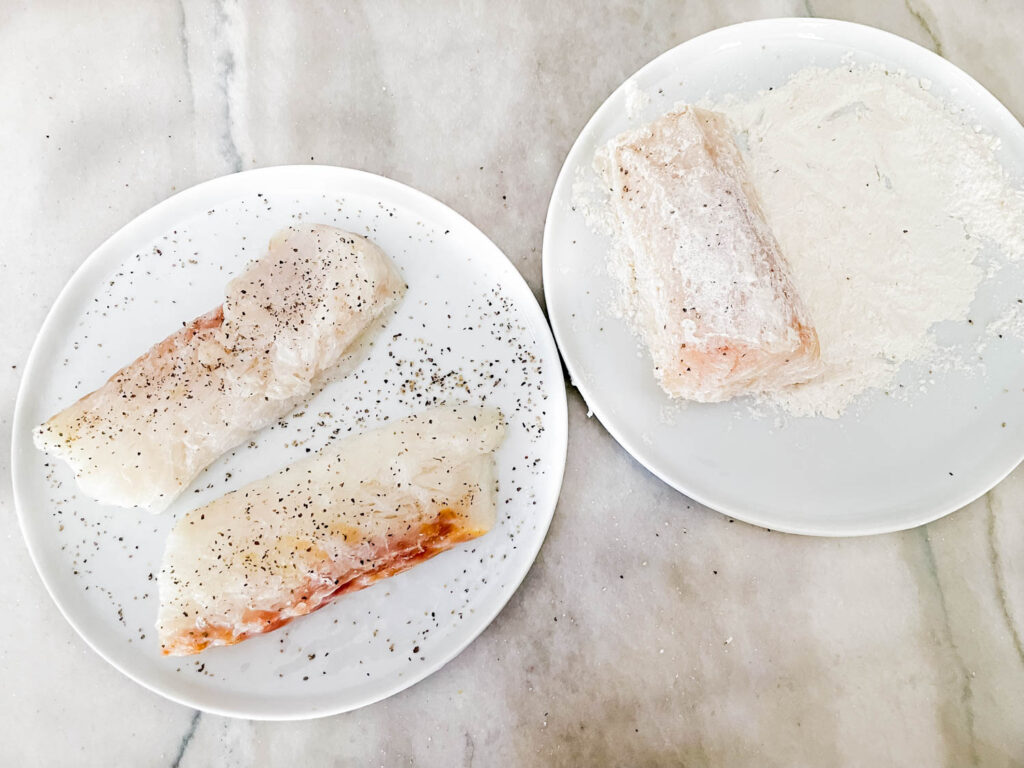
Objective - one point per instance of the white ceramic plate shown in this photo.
(886, 464)
(468, 329)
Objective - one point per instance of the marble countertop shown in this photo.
(650, 631)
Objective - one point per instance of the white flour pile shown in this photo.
(881, 200)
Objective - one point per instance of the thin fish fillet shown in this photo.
(360, 510)
(711, 293)
(293, 317)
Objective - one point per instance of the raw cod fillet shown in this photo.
(707, 285)
(360, 510)
(287, 321)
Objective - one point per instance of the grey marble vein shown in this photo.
(186, 739)
(936, 43)
(997, 570)
(929, 577)
(228, 41)
(183, 40)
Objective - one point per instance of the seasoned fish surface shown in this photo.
(710, 291)
(360, 510)
(291, 318)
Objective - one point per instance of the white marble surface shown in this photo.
(650, 631)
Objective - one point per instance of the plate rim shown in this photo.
(792, 26)
(557, 415)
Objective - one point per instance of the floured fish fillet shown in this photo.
(706, 284)
(294, 316)
(362, 509)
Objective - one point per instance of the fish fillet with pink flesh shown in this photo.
(712, 294)
(362, 509)
(295, 316)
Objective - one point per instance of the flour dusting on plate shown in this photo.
(882, 199)
(886, 203)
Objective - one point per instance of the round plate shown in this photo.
(886, 464)
(468, 329)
